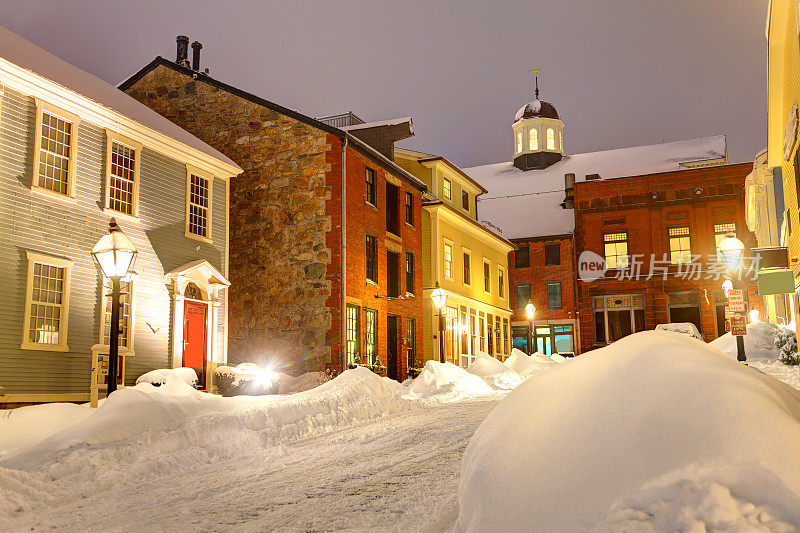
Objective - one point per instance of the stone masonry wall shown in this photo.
(278, 219)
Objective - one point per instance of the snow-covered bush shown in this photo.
(786, 342)
(245, 379)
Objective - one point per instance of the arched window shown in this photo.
(193, 292)
(533, 139)
(561, 143)
(551, 139)
(519, 142)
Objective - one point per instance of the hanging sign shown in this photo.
(738, 326)
(736, 300)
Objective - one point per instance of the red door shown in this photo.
(194, 338)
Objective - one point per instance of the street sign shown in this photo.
(728, 313)
(736, 300)
(738, 326)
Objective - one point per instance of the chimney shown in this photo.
(569, 191)
(196, 47)
(183, 50)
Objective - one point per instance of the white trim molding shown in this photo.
(74, 121)
(194, 171)
(111, 138)
(42, 259)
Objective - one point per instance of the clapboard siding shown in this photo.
(30, 221)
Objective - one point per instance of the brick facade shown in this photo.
(285, 220)
(645, 207)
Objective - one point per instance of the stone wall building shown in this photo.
(303, 301)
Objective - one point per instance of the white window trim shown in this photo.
(198, 172)
(504, 295)
(42, 106)
(483, 275)
(66, 264)
(446, 241)
(550, 132)
(103, 348)
(447, 192)
(114, 137)
(465, 250)
(533, 135)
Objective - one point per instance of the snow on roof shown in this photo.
(365, 125)
(27, 55)
(527, 203)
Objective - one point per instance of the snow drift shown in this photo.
(759, 343)
(526, 365)
(446, 382)
(494, 373)
(655, 415)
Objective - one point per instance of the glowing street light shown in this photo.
(727, 285)
(115, 253)
(530, 310)
(731, 250)
(439, 298)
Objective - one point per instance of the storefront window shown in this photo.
(617, 316)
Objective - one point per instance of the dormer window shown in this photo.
(533, 139)
(551, 139)
(519, 142)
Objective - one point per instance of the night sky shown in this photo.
(620, 73)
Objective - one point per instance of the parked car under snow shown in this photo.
(687, 328)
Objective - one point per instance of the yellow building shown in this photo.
(783, 159)
(467, 259)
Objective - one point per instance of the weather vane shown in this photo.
(537, 82)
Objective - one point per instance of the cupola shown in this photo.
(538, 135)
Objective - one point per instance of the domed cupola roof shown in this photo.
(535, 109)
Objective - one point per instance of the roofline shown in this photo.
(477, 224)
(359, 145)
(543, 237)
(461, 172)
(606, 180)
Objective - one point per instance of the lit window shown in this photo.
(125, 314)
(371, 191)
(680, 248)
(561, 143)
(411, 342)
(533, 140)
(467, 268)
(198, 208)
(519, 142)
(54, 164)
(353, 355)
(551, 139)
(371, 336)
(616, 249)
(487, 276)
(501, 283)
(448, 260)
(46, 305)
(447, 188)
(122, 175)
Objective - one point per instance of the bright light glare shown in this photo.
(753, 315)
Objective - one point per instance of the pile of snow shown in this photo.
(759, 343)
(494, 373)
(655, 427)
(162, 375)
(29, 425)
(686, 328)
(527, 365)
(446, 382)
(292, 385)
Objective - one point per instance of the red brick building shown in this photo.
(325, 233)
(668, 225)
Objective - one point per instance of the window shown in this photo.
(616, 249)
(522, 256)
(353, 354)
(448, 260)
(523, 295)
(487, 276)
(372, 259)
(371, 336)
(467, 267)
(55, 151)
(519, 142)
(410, 272)
(554, 295)
(505, 335)
(481, 333)
(680, 249)
(498, 334)
(684, 306)
(392, 208)
(371, 190)
(533, 140)
(125, 314)
(392, 274)
(46, 303)
(409, 209)
(617, 316)
(720, 230)
(561, 143)
(198, 206)
(122, 174)
(552, 254)
(465, 200)
(411, 342)
(551, 139)
(501, 282)
(447, 188)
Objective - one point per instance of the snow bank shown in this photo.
(685, 328)
(527, 365)
(494, 373)
(759, 343)
(162, 375)
(446, 382)
(653, 414)
(291, 385)
(25, 426)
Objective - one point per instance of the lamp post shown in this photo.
(439, 298)
(530, 310)
(115, 253)
(732, 251)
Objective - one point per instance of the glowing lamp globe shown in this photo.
(114, 252)
(731, 249)
(439, 297)
(727, 285)
(530, 310)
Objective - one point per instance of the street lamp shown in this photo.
(439, 298)
(115, 253)
(530, 310)
(731, 250)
